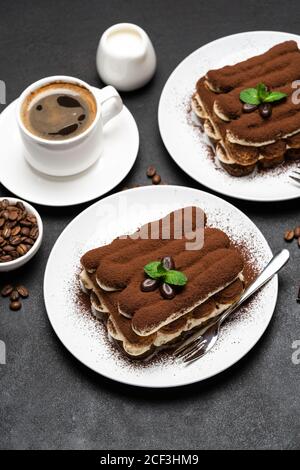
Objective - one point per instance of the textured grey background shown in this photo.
(48, 399)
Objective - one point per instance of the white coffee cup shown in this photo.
(75, 154)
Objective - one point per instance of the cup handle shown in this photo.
(111, 103)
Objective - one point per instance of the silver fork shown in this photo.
(203, 341)
(295, 176)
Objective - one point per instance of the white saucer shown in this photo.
(86, 338)
(188, 146)
(120, 151)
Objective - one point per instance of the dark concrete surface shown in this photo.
(47, 399)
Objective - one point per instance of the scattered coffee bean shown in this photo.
(149, 285)
(249, 108)
(167, 291)
(15, 305)
(156, 179)
(168, 262)
(18, 230)
(297, 232)
(23, 291)
(265, 110)
(7, 290)
(14, 295)
(151, 171)
(289, 235)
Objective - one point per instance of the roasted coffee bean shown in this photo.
(29, 241)
(5, 258)
(265, 110)
(15, 305)
(22, 249)
(20, 205)
(8, 248)
(34, 232)
(4, 203)
(289, 235)
(297, 232)
(14, 254)
(25, 223)
(151, 171)
(1, 240)
(168, 262)
(149, 285)
(15, 231)
(32, 219)
(2, 221)
(249, 108)
(6, 232)
(23, 291)
(25, 231)
(5, 214)
(13, 215)
(15, 240)
(167, 291)
(7, 290)
(156, 179)
(14, 295)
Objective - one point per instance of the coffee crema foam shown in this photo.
(59, 111)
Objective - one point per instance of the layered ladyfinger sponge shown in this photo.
(246, 140)
(144, 321)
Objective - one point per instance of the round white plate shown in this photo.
(121, 213)
(188, 146)
(121, 144)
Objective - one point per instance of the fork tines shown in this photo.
(294, 177)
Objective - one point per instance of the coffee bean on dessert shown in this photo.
(249, 108)
(168, 262)
(167, 291)
(151, 171)
(265, 110)
(289, 235)
(297, 232)
(23, 291)
(15, 305)
(7, 290)
(156, 179)
(148, 285)
(14, 295)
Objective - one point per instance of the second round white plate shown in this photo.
(121, 144)
(86, 338)
(188, 146)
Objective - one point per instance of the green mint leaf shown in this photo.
(274, 96)
(155, 270)
(250, 96)
(176, 278)
(262, 91)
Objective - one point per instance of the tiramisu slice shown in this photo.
(153, 295)
(249, 111)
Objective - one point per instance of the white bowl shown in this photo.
(17, 263)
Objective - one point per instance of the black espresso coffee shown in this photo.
(59, 111)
